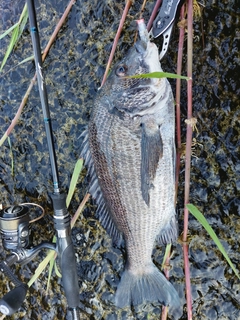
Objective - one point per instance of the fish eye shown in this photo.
(121, 70)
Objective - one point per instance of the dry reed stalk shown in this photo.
(178, 95)
(188, 156)
(117, 36)
(153, 15)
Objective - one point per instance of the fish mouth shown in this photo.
(145, 49)
(141, 47)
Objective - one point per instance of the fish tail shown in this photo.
(149, 286)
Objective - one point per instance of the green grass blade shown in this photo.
(58, 273)
(4, 137)
(23, 14)
(158, 75)
(25, 60)
(51, 256)
(199, 216)
(73, 183)
(11, 45)
(51, 264)
(22, 26)
(41, 267)
(22, 21)
(16, 34)
(166, 254)
(31, 58)
(8, 31)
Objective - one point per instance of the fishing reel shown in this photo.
(15, 231)
(15, 227)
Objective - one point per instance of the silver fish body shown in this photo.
(129, 149)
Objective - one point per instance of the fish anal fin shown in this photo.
(169, 233)
(151, 152)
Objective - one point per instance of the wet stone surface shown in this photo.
(74, 68)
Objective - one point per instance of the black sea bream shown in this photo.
(129, 149)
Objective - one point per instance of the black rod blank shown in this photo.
(43, 92)
(61, 216)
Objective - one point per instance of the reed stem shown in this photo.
(188, 156)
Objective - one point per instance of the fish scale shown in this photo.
(130, 150)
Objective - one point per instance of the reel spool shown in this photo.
(14, 227)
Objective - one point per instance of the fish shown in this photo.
(129, 150)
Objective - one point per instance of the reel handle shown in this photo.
(13, 300)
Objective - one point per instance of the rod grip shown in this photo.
(69, 274)
(66, 253)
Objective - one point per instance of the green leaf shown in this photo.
(41, 267)
(51, 264)
(166, 254)
(51, 256)
(73, 183)
(4, 137)
(17, 31)
(58, 273)
(23, 14)
(11, 45)
(199, 216)
(8, 31)
(31, 58)
(158, 75)
(22, 24)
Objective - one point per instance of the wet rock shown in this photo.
(73, 69)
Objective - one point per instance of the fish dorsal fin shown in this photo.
(151, 152)
(102, 213)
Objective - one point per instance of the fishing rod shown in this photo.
(14, 220)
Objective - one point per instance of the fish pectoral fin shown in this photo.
(151, 153)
